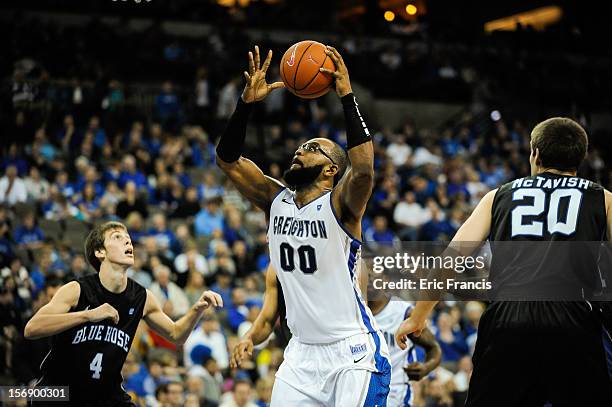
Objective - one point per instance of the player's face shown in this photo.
(309, 160)
(118, 247)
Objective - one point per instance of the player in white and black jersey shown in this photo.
(521, 357)
(92, 322)
(337, 355)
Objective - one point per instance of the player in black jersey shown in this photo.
(532, 352)
(93, 321)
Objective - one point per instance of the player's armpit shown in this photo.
(251, 182)
(55, 317)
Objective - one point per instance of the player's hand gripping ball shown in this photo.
(300, 69)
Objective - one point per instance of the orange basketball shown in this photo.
(299, 69)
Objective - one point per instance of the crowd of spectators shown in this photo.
(76, 156)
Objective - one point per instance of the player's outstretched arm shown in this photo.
(433, 355)
(262, 326)
(475, 229)
(55, 317)
(355, 188)
(248, 177)
(178, 331)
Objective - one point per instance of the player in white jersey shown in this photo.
(389, 314)
(337, 355)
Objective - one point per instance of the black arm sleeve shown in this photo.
(231, 141)
(357, 132)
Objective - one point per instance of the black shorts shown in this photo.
(530, 353)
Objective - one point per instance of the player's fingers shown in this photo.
(277, 85)
(247, 77)
(234, 359)
(335, 74)
(257, 59)
(219, 300)
(251, 64)
(336, 53)
(266, 63)
(209, 298)
(333, 57)
(249, 349)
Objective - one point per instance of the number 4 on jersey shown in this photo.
(96, 366)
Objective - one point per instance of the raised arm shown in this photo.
(244, 173)
(178, 331)
(55, 317)
(262, 326)
(354, 189)
(475, 229)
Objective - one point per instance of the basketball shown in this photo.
(299, 69)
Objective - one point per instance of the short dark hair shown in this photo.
(95, 241)
(562, 143)
(340, 158)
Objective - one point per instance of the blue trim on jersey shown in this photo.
(378, 390)
(278, 193)
(408, 395)
(382, 364)
(331, 203)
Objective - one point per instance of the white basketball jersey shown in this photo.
(315, 261)
(388, 320)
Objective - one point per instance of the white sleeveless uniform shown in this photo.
(389, 319)
(337, 355)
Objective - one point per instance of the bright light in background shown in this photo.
(495, 115)
(389, 15)
(411, 9)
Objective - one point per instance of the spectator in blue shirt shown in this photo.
(13, 157)
(165, 238)
(438, 228)
(131, 173)
(89, 204)
(179, 172)
(29, 234)
(90, 176)
(167, 105)
(379, 232)
(68, 136)
(452, 343)
(64, 185)
(237, 309)
(98, 132)
(209, 188)
(233, 230)
(209, 218)
(457, 184)
(222, 286)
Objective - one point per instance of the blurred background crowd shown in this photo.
(92, 132)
